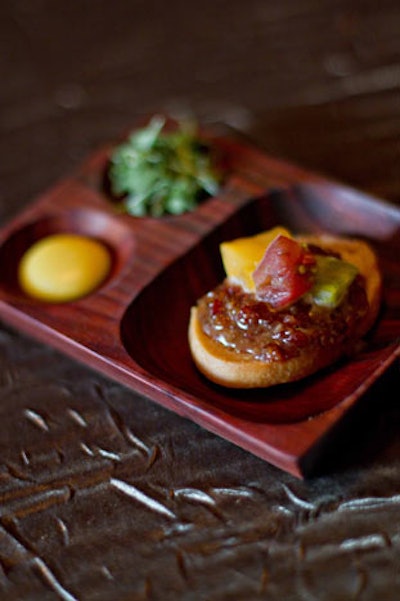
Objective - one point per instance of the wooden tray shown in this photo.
(133, 328)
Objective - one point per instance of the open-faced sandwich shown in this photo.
(288, 307)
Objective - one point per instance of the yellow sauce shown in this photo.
(63, 267)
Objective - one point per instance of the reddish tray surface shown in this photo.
(134, 328)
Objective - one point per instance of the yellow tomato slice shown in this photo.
(240, 257)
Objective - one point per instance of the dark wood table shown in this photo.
(104, 494)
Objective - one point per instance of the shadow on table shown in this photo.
(367, 435)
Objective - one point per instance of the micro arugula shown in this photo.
(156, 172)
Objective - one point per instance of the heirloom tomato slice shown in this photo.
(285, 273)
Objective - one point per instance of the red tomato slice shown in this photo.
(284, 273)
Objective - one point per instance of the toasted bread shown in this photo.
(228, 367)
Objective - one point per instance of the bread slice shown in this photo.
(241, 370)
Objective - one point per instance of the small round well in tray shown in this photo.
(115, 235)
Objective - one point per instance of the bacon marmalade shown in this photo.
(242, 323)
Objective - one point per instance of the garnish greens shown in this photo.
(156, 172)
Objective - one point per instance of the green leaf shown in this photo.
(156, 172)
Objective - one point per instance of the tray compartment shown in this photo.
(85, 221)
(154, 327)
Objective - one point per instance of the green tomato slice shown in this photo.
(332, 280)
